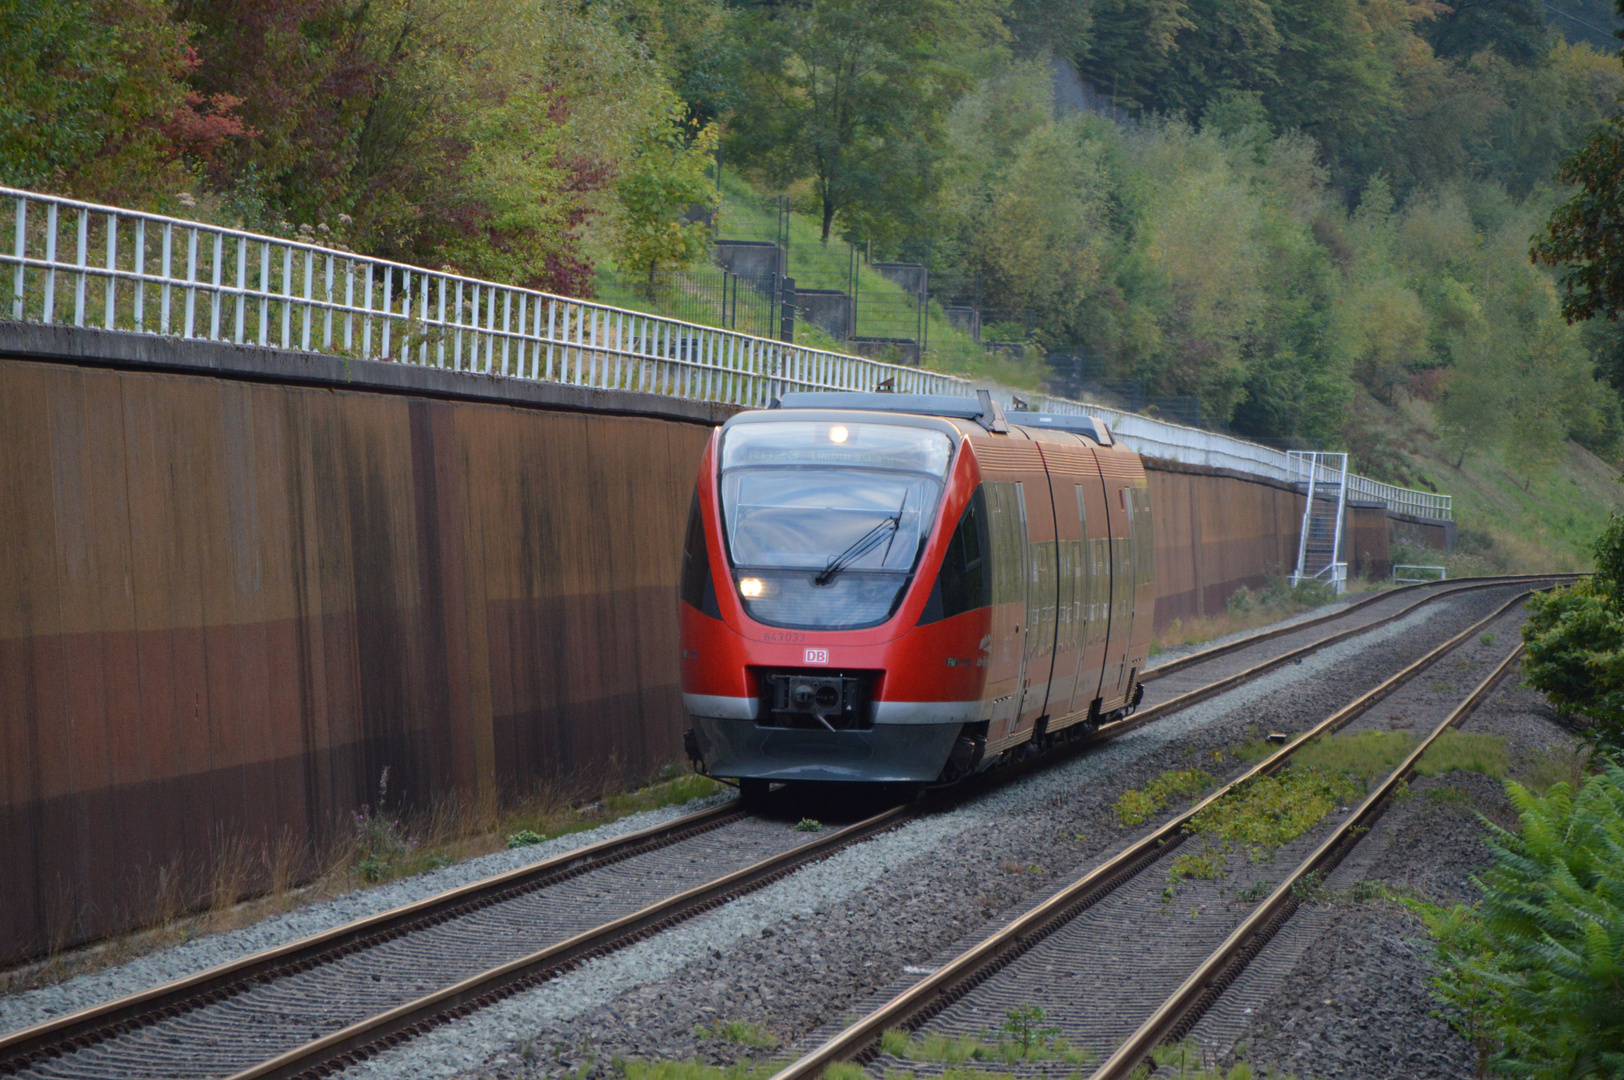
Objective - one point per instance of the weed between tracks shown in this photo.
(1026, 1036)
(1266, 812)
(737, 1032)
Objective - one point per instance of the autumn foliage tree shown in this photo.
(95, 101)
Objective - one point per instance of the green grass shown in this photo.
(1508, 522)
(747, 214)
(1466, 751)
(739, 1033)
(1369, 754)
(1206, 865)
(1269, 811)
(1135, 807)
(1254, 749)
(1541, 769)
(1365, 754)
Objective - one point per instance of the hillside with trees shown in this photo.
(1300, 214)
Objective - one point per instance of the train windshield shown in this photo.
(826, 520)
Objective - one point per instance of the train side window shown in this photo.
(1144, 562)
(962, 583)
(1009, 544)
(698, 590)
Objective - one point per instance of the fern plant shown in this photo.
(1535, 973)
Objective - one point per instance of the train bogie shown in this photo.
(897, 588)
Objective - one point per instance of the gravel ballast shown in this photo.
(808, 950)
(1354, 1001)
(815, 947)
(31, 1007)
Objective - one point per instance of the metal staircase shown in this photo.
(1324, 479)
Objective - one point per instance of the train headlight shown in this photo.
(838, 433)
(750, 587)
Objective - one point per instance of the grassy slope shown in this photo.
(1504, 527)
(1507, 523)
(748, 215)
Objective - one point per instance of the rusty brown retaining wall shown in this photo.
(227, 606)
(238, 585)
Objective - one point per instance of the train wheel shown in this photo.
(753, 794)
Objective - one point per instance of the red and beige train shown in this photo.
(902, 588)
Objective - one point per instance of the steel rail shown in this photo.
(122, 1015)
(376, 1033)
(963, 973)
(1174, 1018)
(1150, 713)
(1216, 651)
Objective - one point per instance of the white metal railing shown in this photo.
(1194, 446)
(114, 269)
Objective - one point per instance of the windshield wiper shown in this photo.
(860, 547)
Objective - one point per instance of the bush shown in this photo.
(1575, 639)
(1533, 974)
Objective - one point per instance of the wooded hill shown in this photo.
(1276, 206)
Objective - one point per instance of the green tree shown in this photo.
(1176, 55)
(1584, 241)
(495, 136)
(1333, 80)
(853, 95)
(1471, 412)
(667, 178)
(94, 101)
(306, 72)
(1514, 29)
(1575, 639)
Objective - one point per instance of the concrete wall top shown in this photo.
(152, 352)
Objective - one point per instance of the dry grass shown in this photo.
(1543, 769)
(1248, 610)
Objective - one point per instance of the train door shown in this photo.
(1074, 681)
(1096, 585)
(1120, 626)
(1041, 609)
(1142, 535)
(1010, 572)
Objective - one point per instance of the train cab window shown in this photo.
(698, 590)
(825, 520)
(963, 583)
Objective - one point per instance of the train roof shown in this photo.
(1072, 422)
(982, 409)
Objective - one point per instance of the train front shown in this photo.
(811, 648)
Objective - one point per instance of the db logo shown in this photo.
(817, 656)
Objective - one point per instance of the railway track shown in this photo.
(1180, 1011)
(1014, 961)
(370, 979)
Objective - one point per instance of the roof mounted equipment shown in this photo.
(1086, 426)
(981, 408)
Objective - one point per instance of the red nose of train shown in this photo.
(863, 598)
